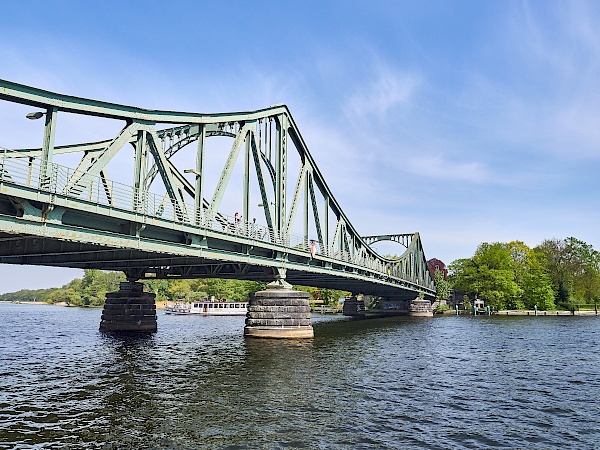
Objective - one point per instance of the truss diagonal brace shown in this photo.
(227, 170)
(313, 200)
(167, 176)
(296, 198)
(261, 183)
(80, 180)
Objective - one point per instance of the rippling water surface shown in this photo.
(448, 382)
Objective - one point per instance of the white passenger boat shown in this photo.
(209, 308)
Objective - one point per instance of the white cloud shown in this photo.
(388, 89)
(435, 166)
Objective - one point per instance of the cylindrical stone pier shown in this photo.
(279, 313)
(129, 309)
(419, 307)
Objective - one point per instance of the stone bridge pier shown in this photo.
(130, 309)
(279, 312)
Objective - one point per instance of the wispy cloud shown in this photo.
(553, 90)
(387, 90)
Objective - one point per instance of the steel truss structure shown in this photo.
(77, 217)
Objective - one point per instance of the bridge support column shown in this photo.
(279, 312)
(129, 309)
(419, 307)
(354, 307)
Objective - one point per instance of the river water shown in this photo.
(441, 383)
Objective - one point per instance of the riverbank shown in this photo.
(325, 310)
(508, 312)
(546, 313)
(159, 305)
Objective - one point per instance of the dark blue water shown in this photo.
(442, 383)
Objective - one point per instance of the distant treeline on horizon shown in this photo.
(91, 289)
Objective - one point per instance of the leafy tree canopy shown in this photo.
(512, 275)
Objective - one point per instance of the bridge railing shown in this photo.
(25, 171)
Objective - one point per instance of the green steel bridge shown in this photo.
(166, 222)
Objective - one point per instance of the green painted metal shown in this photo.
(139, 168)
(281, 173)
(296, 199)
(199, 188)
(228, 170)
(262, 184)
(402, 238)
(306, 199)
(166, 175)
(315, 210)
(246, 185)
(99, 223)
(48, 145)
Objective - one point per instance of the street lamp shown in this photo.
(35, 115)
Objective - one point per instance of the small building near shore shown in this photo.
(479, 304)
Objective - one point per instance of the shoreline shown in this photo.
(159, 305)
(505, 312)
(521, 312)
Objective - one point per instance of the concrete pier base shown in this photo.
(129, 309)
(419, 307)
(279, 313)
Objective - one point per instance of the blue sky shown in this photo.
(468, 121)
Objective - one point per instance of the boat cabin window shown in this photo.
(237, 305)
(210, 305)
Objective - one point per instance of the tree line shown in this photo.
(558, 273)
(91, 289)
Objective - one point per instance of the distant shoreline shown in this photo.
(520, 312)
(159, 305)
(505, 312)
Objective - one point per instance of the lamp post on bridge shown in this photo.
(35, 115)
(48, 143)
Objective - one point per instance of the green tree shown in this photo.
(442, 286)
(573, 268)
(28, 295)
(463, 276)
(180, 289)
(586, 286)
(557, 259)
(94, 286)
(537, 289)
(158, 287)
(489, 275)
(534, 281)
